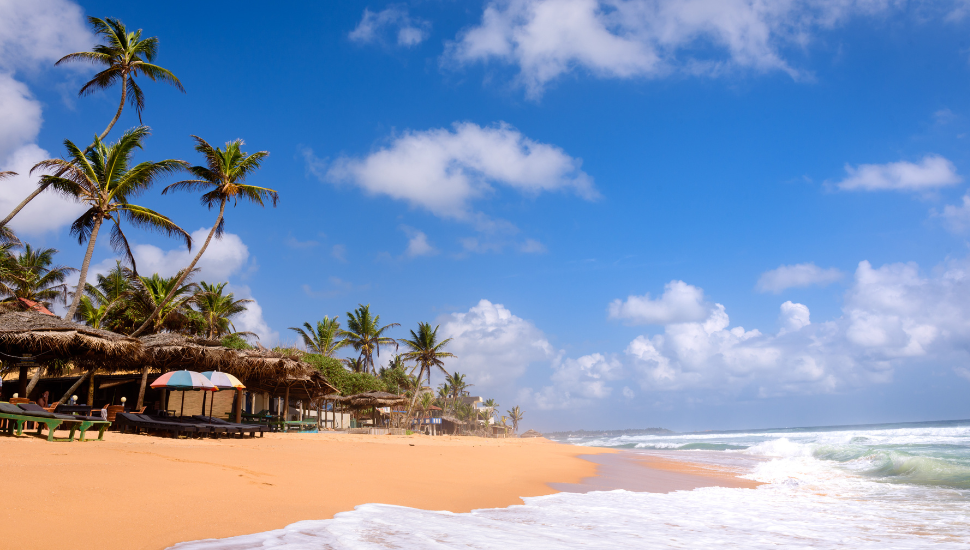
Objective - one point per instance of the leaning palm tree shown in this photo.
(366, 335)
(223, 176)
(7, 235)
(425, 349)
(217, 310)
(125, 56)
(515, 415)
(103, 179)
(324, 338)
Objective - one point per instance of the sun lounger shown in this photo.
(86, 421)
(138, 422)
(241, 429)
(18, 417)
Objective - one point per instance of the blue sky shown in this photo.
(592, 198)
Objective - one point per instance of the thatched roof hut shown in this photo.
(24, 333)
(373, 399)
(170, 351)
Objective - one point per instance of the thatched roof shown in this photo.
(531, 433)
(47, 337)
(170, 351)
(373, 399)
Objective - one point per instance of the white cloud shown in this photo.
(794, 316)
(931, 172)
(679, 303)
(892, 317)
(532, 246)
(339, 252)
(223, 258)
(576, 382)
(32, 36)
(444, 170)
(645, 38)
(48, 211)
(957, 217)
(796, 276)
(252, 320)
(493, 346)
(411, 31)
(418, 244)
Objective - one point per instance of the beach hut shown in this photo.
(373, 400)
(168, 351)
(32, 339)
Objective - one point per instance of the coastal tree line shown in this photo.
(104, 177)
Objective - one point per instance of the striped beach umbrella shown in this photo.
(183, 381)
(223, 381)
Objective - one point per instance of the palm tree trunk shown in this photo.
(79, 291)
(175, 287)
(141, 390)
(80, 380)
(121, 106)
(33, 381)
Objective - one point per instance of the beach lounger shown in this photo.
(87, 422)
(18, 417)
(241, 429)
(138, 422)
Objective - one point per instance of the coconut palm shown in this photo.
(515, 415)
(102, 302)
(324, 339)
(492, 405)
(356, 365)
(366, 335)
(32, 275)
(426, 350)
(104, 180)
(456, 384)
(218, 309)
(124, 55)
(7, 235)
(147, 292)
(223, 177)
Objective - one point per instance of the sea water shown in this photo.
(857, 487)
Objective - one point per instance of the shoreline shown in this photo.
(142, 492)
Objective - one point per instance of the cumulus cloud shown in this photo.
(373, 26)
(418, 244)
(957, 216)
(493, 346)
(48, 211)
(252, 319)
(32, 36)
(932, 172)
(892, 317)
(576, 382)
(545, 39)
(679, 303)
(443, 170)
(796, 276)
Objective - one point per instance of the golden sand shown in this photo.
(142, 492)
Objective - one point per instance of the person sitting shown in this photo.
(44, 399)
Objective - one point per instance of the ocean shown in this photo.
(889, 486)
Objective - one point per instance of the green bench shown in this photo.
(17, 417)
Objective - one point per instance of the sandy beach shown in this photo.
(142, 492)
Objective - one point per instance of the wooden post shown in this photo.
(239, 405)
(286, 404)
(22, 382)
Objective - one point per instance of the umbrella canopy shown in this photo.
(224, 381)
(184, 380)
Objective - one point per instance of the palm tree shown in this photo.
(356, 365)
(103, 301)
(7, 235)
(324, 339)
(218, 309)
(31, 275)
(366, 335)
(126, 55)
(456, 384)
(425, 349)
(104, 180)
(515, 415)
(147, 292)
(223, 177)
(491, 405)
